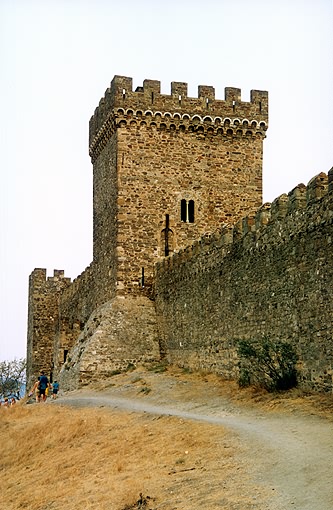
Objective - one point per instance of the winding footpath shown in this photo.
(293, 454)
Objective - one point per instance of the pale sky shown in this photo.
(57, 57)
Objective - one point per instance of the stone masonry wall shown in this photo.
(43, 321)
(269, 275)
(76, 304)
(151, 151)
(105, 222)
(119, 333)
(57, 312)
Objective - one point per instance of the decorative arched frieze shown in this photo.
(208, 119)
(166, 121)
(196, 119)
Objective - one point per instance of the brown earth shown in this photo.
(168, 440)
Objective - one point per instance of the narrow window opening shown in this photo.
(191, 211)
(152, 97)
(124, 93)
(180, 100)
(233, 106)
(187, 211)
(166, 236)
(65, 354)
(183, 209)
(260, 106)
(207, 103)
(142, 279)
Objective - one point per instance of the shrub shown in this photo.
(267, 363)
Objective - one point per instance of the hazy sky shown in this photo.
(57, 57)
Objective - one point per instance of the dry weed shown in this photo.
(56, 458)
(59, 458)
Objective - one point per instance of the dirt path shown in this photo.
(289, 452)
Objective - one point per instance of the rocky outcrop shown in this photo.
(120, 333)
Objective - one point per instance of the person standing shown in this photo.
(55, 389)
(35, 390)
(43, 385)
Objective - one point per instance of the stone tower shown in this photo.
(166, 170)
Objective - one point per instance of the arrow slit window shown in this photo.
(187, 211)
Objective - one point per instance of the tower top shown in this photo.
(148, 98)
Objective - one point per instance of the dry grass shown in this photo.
(55, 458)
(293, 401)
(59, 458)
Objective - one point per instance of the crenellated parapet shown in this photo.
(81, 281)
(204, 115)
(268, 276)
(43, 319)
(300, 204)
(38, 279)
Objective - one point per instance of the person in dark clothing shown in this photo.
(43, 384)
(55, 389)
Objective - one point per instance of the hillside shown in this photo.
(181, 441)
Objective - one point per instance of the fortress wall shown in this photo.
(151, 153)
(58, 310)
(176, 165)
(271, 275)
(43, 320)
(75, 307)
(105, 230)
(120, 333)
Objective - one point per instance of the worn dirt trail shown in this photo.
(289, 451)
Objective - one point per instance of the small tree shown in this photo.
(269, 364)
(12, 377)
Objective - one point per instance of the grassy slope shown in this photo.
(54, 457)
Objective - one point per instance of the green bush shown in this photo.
(268, 364)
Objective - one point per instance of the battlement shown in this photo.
(120, 101)
(299, 200)
(38, 276)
